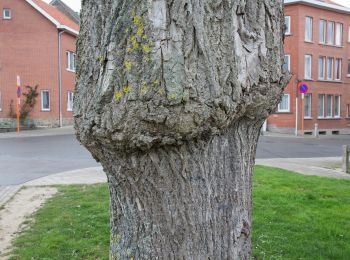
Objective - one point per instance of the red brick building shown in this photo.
(317, 48)
(37, 42)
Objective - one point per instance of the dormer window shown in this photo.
(6, 13)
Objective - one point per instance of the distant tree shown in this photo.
(171, 96)
(28, 104)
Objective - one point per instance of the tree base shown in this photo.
(187, 202)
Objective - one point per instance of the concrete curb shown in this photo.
(87, 176)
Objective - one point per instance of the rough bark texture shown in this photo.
(170, 99)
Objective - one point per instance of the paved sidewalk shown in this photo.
(83, 176)
(325, 167)
(66, 130)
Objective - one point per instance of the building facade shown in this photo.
(317, 53)
(37, 43)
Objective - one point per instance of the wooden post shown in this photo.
(345, 166)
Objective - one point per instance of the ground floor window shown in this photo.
(70, 101)
(337, 106)
(329, 105)
(307, 106)
(320, 107)
(45, 100)
(0, 102)
(284, 105)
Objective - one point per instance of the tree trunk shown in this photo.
(170, 98)
(186, 202)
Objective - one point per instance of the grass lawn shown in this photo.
(295, 217)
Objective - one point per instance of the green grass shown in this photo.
(295, 217)
(300, 217)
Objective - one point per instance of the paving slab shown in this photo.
(325, 167)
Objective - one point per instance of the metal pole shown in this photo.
(302, 113)
(296, 116)
(345, 166)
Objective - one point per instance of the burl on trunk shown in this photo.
(170, 98)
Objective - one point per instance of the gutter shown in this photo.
(60, 77)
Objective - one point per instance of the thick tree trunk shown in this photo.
(171, 95)
(186, 202)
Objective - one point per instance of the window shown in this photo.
(307, 106)
(308, 65)
(284, 105)
(337, 106)
(337, 69)
(322, 33)
(339, 34)
(322, 67)
(347, 110)
(330, 34)
(71, 61)
(320, 107)
(70, 101)
(329, 105)
(330, 62)
(6, 14)
(349, 35)
(348, 68)
(287, 25)
(286, 65)
(0, 102)
(45, 100)
(308, 29)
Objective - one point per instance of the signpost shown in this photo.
(19, 92)
(303, 89)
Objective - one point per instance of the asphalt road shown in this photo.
(27, 158)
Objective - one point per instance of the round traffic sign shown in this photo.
(303, 88)
(19, 92)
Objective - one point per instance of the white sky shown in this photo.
(74, 4)
(343, 2)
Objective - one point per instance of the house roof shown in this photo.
(62, 21)
(323, 4)
(60, 5)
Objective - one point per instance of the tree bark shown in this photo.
(185, 202)
(170, 98)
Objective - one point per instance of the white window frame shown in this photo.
(349, 34)
(310, 106)
(322, 60)
(0, 101)
(324, 32)
(318, 105)
(287, 23)
(337, 106)
(329, 106)
(70, 101)
(339, 34)
(348, 70)
(279, 105)
(338, 69)
(330, 68)
(288, 63)
(42, 100)
(71, 67)
(330, 38)
(6, 17)
(306, 75)
(308, 34)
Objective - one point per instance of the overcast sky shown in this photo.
(75, 4)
